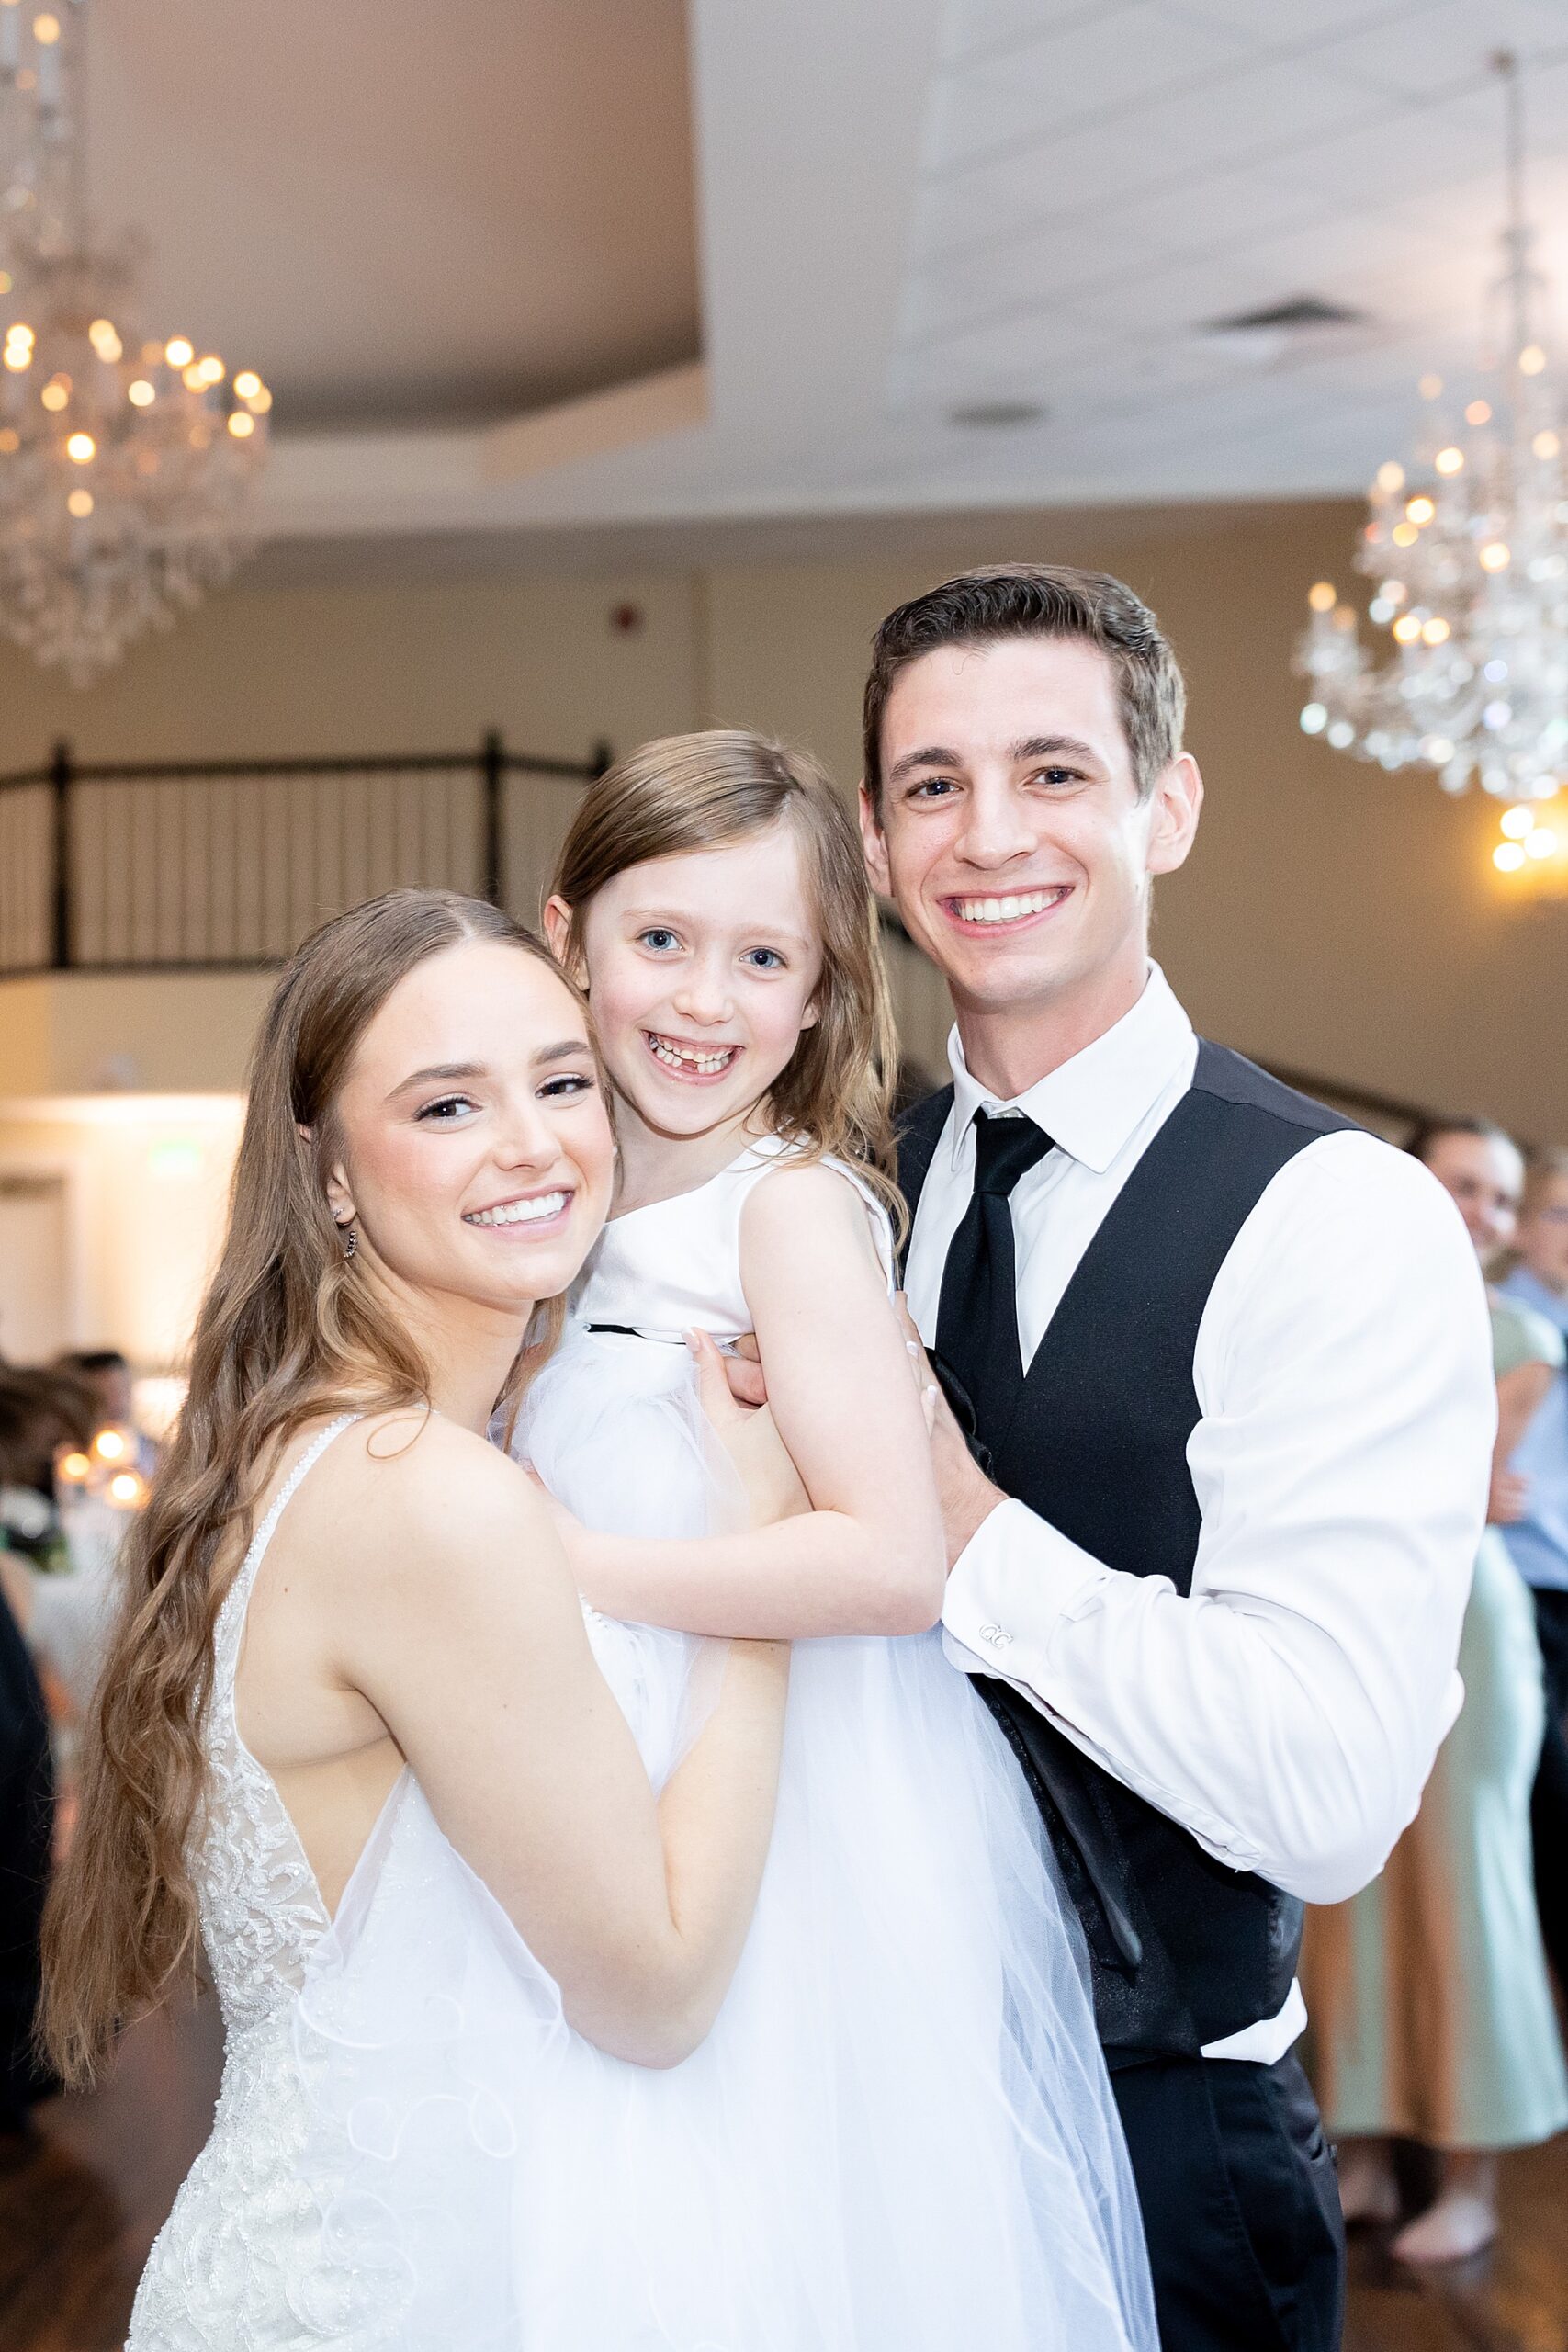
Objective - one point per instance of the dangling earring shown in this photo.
(351, 1239)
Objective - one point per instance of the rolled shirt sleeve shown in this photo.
(1288, 1710)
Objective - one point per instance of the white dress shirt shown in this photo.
(1286, 1712)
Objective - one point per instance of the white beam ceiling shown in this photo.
(906, 208)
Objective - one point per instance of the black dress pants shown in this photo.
(1240, 2203)
(1549, 1800)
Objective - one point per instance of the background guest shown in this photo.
(1538, 1532)
(28, 1421)
(107, 1374)
(1430, 1991)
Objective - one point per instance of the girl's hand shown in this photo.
(762, 1460)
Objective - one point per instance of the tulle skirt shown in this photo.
(899, 2135)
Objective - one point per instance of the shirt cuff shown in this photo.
(1011, 1585)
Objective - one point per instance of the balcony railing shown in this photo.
(227, 864)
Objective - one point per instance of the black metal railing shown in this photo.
(226, 864)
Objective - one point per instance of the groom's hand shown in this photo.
(743, 1370)
(967, 1496)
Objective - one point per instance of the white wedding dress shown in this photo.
(898, 2137)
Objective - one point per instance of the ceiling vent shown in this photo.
(1280, 334)
(997, 416)
(1302, 315)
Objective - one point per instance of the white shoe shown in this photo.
(1459, 2225)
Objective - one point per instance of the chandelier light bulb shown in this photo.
(1508, 857)
(242, 424)
(247, 383)
(1323, 596)
(123, 499)
(1468, 548)
(259, 401)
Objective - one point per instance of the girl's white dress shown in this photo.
(899, 2135)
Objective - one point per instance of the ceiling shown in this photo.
(619, 265)
(401, 213)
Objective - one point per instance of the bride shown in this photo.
(474, 1867)
(321, 1656)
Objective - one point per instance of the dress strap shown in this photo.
(232, 1616)
(296, 1477)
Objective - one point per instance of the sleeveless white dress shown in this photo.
(899, 2136)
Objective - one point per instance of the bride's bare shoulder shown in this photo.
(416, 1493)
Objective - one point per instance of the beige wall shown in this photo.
(1333, 918)
(146, 1181)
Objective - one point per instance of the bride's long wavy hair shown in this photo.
(288, 1332)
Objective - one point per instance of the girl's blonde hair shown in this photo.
(286, 1332)
(687, 793)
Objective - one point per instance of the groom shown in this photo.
(1215, 1461)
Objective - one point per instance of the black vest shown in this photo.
(1184, 1950)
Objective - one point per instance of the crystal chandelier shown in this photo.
(1468, 544)
(126, 465)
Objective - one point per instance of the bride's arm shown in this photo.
(868, 1558)
(464, 1630)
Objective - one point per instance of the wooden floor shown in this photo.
(79, 2208)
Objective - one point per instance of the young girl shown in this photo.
(905, 2077)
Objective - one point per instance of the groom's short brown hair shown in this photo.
(1004, 600)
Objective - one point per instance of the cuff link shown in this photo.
(997, 1636)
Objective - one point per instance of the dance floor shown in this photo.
(79, 2210)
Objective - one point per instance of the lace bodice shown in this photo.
(261, 1908)
(247, 2261)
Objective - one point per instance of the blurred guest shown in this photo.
(1537, 1529)
(27, 1778)
(107, 1374)
(42, 1412)
(1433, 2007)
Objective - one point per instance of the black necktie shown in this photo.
(977, 1324)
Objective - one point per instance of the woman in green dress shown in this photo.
(1432, 2005)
